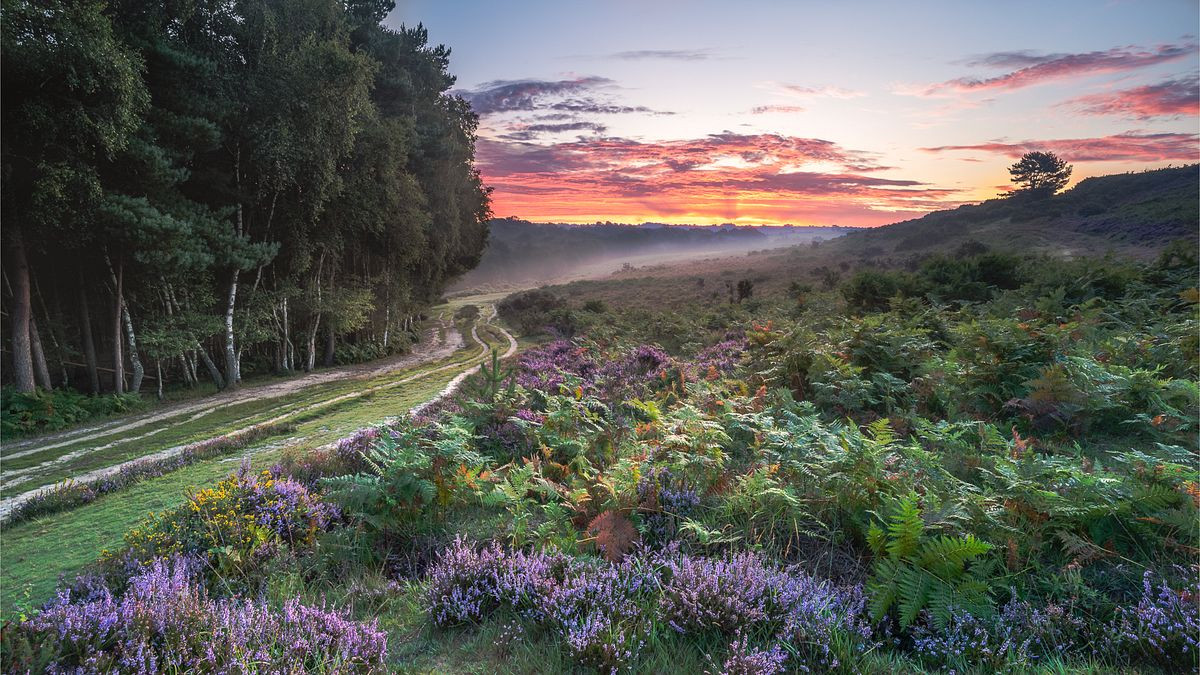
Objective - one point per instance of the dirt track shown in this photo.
(430, 349)
(442, 341)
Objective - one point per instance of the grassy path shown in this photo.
(51, 459)
(33, 554)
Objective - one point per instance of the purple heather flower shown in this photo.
(165, 621)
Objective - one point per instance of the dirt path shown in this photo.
(458, 379)
(450, 343)
(440, 341)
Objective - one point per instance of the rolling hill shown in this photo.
(1134, 214)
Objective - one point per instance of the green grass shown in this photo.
(176, 431)
(35, 553)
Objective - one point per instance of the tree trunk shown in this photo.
(169, 305)
(138, 371)
(21, 314)
(188, 360)
(213, 371)
(89, 345)
(232, 376)
(59, 354)
(118, 310)
(289, 348)
(330, 341)
(158, 372)
(310, 359)
(187, 370)
(40, 370)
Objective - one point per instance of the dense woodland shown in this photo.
(203, 190)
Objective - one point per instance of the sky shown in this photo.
(847, 113)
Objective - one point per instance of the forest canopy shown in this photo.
(210, 187)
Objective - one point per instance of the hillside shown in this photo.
(1133, 213)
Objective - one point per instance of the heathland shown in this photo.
(961, 443)
(862, 455)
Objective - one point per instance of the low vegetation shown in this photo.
(987, 463)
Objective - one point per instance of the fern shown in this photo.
(614, 534)
(403, 481)
(905, 530)
(915, 571)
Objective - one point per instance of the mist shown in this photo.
(520, 253)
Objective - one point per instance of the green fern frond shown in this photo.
(905, 528)
(914, 585)
(877, 539)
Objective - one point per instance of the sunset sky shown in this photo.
(851, 113)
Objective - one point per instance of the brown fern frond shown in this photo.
(613, 533)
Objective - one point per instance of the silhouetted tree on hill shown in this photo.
(1039, 174)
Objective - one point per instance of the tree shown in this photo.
(745, 289)
(1040, 174)
(223, 176)
(74, 96)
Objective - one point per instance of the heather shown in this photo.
(165, 621)
(235, 526)
(604, 612)
(797, 482)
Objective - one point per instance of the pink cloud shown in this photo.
(1117, 148)
(770, 109)
(1036, 70)
(767, 177)
(1171, 98)
(820, 92)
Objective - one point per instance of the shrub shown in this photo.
(412, 471)
(50, 410)
(743, 659)
(236, 524)
(870, 290)
(914, 571)
(536, 311)
(1164, 627)
(467, 313)
(166, 622)
(603, 611)
(1019, 637)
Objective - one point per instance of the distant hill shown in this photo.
(1133, 213)
(520, 252)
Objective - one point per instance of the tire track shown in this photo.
(7, 505)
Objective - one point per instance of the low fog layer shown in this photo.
(520, 253)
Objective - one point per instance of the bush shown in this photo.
(411, 473)
(870, 290)
(974, 278)
(536, 311)
(467, 313)
(165, 621)
(236, 525)
(41, 410)
(602, 611)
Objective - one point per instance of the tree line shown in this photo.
(202, 188)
